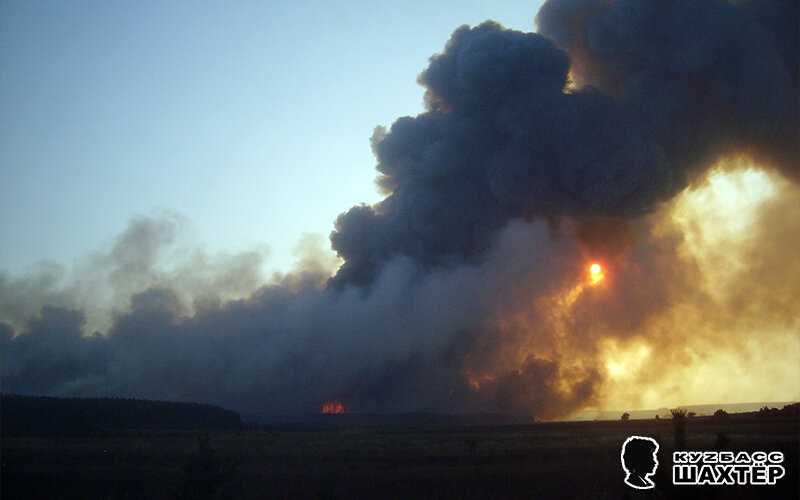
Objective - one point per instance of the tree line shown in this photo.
(42, 415)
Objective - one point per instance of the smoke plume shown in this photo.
(598, 139)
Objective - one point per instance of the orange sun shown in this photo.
(595, 274)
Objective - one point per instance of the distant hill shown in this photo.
(320, 421)
(699, 410)
(38, 415)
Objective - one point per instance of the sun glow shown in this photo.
(595, 274)
(698, 306)
(718, 216)
(733, 252)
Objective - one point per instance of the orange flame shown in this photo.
(333, 407)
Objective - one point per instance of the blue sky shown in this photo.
(252, 119)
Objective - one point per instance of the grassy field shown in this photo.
(548, 460)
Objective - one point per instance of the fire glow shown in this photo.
(333, 408)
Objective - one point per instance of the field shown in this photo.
(547, 460)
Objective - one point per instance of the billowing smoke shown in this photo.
(678, 84)
(465, 289)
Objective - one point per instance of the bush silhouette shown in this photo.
(626, 416)
(792, 410)
(766, 412)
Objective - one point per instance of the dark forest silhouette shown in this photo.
(37, 415)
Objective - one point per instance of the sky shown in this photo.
(250, 119)
(393, 208)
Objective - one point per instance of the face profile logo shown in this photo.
(639, 461)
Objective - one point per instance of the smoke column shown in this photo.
(464, 289)
(678, 85)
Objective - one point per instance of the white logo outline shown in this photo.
(649, 484)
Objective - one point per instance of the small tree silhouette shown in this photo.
(679, 423)
(626, 416)
(721, 414)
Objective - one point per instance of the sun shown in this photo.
(595, 274)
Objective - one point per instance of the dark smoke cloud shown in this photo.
(675, 85)
(707, 77)
(465, 288)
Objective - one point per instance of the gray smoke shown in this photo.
(454, 293)
(403, 344)
(151, 250)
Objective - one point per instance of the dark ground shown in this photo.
(548, 460)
